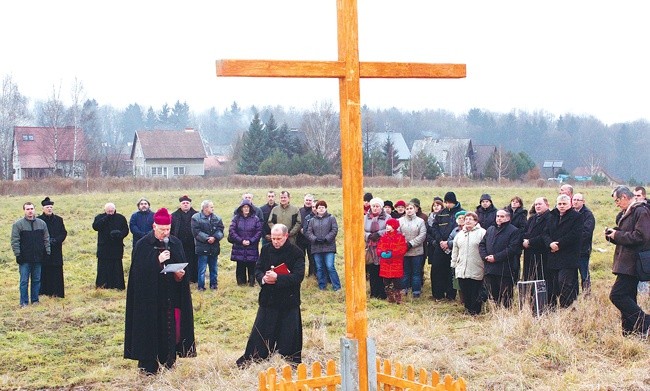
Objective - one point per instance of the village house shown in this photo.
(168, 153)
(455, 156)
(40, 152)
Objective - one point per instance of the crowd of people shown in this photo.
(474, 254)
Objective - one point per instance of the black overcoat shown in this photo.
(285, 293)
(567, 231)
(504, 243)
(149, 297)
(111, 231)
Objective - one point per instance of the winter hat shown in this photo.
(367, 197)
(400, 203)
(162, 217)
(389, 203)
(459, 213)
(415, 201)
(47, 201)
(450, 196)
(184, 198)
(486, 197)
(393, 223)
(377, 201)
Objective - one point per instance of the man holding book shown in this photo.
(280, 270)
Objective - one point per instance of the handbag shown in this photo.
(371, 254)
(643, 266)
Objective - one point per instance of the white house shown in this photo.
(168, 153)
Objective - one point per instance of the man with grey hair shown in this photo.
(631, 236)
(207, 229)
(111, 230)
(587, 238)
(562, 237)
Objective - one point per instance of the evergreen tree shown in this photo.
(391, 157)
(253, 149)
(132, 120)
(180, 116)
(276, 164)
(164, 117)
(151, 122)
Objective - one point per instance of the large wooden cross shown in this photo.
(348, 70)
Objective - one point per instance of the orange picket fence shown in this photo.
(401, 379)
(269, 380)
(404, 380)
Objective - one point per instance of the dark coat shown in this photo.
(182, 228)
(504, 243)
(111, 231)
(323, 228)
(587, 231)
(567, 231)
(285, 293)
(632, 236)
(58, 233)
(204, 227)
(140, 224)
(534, 232)
(266, 212)
(443, 224)
(487, 217)
(150, 300)
(517, 217)
(30, 240)
(245, 228)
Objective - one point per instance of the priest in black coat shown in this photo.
(111, 230)
(159, 317)
(278, 324)
(52, 269)
(182, 229)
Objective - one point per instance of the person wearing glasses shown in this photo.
(631, 236)
(585, 243)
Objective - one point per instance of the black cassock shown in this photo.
(52, 269)
(278, 325)
(159, 321)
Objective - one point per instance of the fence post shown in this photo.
(349, 364)
(371, 350)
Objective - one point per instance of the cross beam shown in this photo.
(348, 70)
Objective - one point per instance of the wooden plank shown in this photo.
(396, 70)
(270, 68)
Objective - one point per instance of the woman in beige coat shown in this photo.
(467, 261)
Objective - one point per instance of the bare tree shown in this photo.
(321, 130)
(78, 96)
(13, 112)
(501, 163)
(457, 161)
(53, 116)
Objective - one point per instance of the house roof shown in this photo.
(169, 144)
(36, 145)
(398, 142)
(441, 148)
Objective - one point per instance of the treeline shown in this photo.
(270, 139)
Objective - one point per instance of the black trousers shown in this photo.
(623, 296)
(52, 280)
(245, 273)
(442, 278)
(499, 288)
(471, 290)
(377, 289)
(110, 274)
(562, 287)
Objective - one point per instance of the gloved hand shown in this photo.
(374, 236)
(116, 234)
(408, 246)
(19, 259)
(321, 241)
(386, 254)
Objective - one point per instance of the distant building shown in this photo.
(168, 153)
(455, 156)
(587, 174)
(402, 149)
(40, 152)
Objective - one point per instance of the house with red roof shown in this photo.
(40, 152)
(168, 153)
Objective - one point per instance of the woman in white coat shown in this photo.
(465, 258)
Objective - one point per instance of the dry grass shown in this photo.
(76, 342)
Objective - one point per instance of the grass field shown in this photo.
(76, 342)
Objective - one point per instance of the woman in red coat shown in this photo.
(391, 249)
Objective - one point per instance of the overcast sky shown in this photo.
(583, 57)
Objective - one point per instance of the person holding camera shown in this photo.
(631, 236)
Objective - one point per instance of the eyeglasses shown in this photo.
(578, 200)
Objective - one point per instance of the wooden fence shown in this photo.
(402, 379)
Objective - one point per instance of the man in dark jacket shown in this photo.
(500, 249)
(630, 237)
(266, 211)
(159, 321)
(306, 213)
(52, 270)
(278, 324)
(207, 229)
(563, 237)
(441, 271)
(486, 212)
(535, 251)
(182, 229)
(30, 242)
(587, 238)
(111, 230)
(141, 221)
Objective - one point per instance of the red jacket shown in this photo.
(392, 267)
